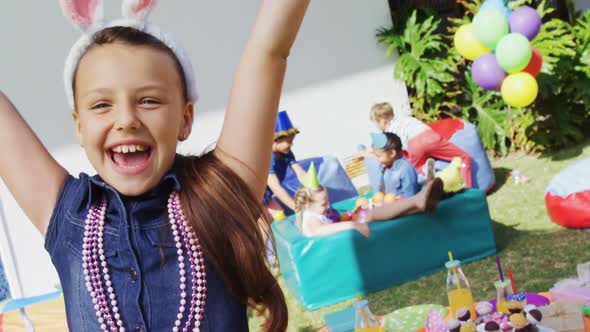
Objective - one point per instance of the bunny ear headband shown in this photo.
(88, 16)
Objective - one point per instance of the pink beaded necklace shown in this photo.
(94, 262)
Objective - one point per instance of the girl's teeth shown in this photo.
(129, 148)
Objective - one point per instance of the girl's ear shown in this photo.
(137, 9)
(187, 121)
(78, 127)
(83, 13)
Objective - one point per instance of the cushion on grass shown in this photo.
(568, 196)
(320, 271)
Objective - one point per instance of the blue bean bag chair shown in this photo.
(330, 174)
(464, 134)
(321, 271)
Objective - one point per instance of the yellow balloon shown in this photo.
(467, 44)
(520, 89)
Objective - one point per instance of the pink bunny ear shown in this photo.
(83, 13)
(137, 9)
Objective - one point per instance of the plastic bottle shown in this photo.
(458, 289)
(364, 321)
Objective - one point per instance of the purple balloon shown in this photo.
(525, 20)
(487, 73)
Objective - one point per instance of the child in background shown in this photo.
(282, 158)
(425, 200)
(156, 241)
(311, 208)
(419, 139)
(398, 175)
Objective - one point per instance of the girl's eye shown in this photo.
(99, 106)
(150, 101)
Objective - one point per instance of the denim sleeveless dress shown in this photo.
(141, 255)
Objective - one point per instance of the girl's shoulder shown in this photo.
(73, 201)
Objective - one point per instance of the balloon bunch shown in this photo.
(498, 40)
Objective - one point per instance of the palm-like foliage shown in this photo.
(555, 40)
(582, 32)
(488, 111)
(419, 65)
(440, 84)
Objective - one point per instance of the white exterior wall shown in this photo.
(336, 72)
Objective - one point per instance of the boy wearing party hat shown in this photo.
(398, 175)
(421, 142)
(282, 158)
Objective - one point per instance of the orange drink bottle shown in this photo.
(458, 289)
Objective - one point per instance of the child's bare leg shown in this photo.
(424, 201)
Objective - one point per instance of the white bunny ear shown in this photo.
(83, 13)
(137, 9)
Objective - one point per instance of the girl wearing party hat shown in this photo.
(311, 207)
(156, 241)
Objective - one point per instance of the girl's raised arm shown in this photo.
(33, 177)
(247, 134)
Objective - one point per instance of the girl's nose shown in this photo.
(127, 117)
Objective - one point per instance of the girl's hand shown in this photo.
(247, 134)
(363, 228)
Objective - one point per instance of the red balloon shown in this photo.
(534, 66)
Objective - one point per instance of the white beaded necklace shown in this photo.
(94, 262)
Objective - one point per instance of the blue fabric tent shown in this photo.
(330, 174)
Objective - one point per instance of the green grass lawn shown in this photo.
(539, 252)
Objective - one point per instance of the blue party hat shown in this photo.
(379, 140)
(284, 127)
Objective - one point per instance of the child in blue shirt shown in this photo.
(282, 158)
(398, 175)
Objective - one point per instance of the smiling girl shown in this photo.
(151, 242)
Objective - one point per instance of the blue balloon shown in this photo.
(498, 5)
(361, 147)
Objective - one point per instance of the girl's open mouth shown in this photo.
(130, 159)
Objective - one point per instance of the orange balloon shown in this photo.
(389, 198)
(378, 197)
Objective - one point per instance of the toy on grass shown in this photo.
(498, 41)
(567, 197)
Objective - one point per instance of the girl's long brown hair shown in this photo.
(220, 205)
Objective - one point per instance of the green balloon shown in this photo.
(490, 26)
(514, 52)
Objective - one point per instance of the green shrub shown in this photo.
(440, 84)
